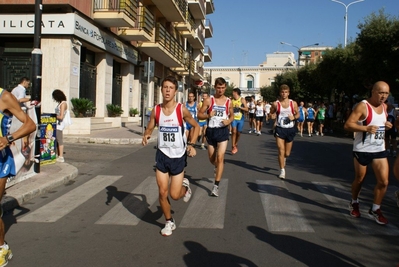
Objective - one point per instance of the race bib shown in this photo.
(168, 135)
(377, 139)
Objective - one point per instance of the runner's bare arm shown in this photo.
(150, 128)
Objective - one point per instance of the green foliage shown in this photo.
(269, 93)
(82, 107)
(114, 110)
(229, 90)
(378, 49)
(372, 57)
(133, 112)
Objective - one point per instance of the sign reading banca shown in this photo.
(68, 24)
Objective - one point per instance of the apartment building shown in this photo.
(97, 49)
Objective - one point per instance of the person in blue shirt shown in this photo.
(311, 114)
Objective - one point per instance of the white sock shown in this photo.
(355, 201)
(375, 207)
(283, 170)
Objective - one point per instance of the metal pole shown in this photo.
(144, 97)
(346, 17)
(37, 77)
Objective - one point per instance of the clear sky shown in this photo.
(245, 31)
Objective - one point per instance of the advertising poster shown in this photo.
(23, 150)
(47, 130)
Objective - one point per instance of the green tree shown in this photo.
(269, 93)
(378, 49)
(229, 90)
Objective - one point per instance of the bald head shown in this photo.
(380, 85)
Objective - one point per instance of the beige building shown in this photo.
(97, 49)
(251, 78)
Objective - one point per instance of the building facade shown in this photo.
(251, 78)
(99, 49)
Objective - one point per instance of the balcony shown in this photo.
(115, 13)
(196, 38)
(164, 48)
(197, 8)
(207, 54)
(172, 10)
(143, 30)
(187, 25)
(210, 7)
(208, 29)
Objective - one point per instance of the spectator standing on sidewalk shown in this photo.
(172, 151)
(9, 107)
(63, 120)
(20, 90)
(369, 122)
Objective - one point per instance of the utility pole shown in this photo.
(346, 16)
(37, 77)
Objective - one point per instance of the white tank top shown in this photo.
(367, 142)
(259, 111)
(171, 138)
(282, 119)
(222, 113)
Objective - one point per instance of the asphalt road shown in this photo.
(110, 215)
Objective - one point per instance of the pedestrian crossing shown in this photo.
(282, 211)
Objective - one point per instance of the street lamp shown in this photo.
(299, 49)
(346, 16)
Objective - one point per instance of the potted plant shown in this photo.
(133, 112)
(114, 110)
(82, 107)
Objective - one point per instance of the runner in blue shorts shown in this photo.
(218, 110)
(9, 107)
(239, 107)
(287, 112)
(172, 149)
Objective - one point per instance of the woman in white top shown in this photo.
(61, 110)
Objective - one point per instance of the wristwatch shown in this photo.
(10, 139)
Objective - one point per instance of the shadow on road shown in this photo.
(308, 253)
(136, 204)
(200, 256)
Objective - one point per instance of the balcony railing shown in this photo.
(207, 54)
(128, 7)
(210, 8)
(208, 29)
(168, 42)
(146, 20)
(172, 10)
(197, 8)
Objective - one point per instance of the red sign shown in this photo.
(199, 83)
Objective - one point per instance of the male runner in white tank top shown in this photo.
(369, 121)
(285, 131)
(218, 110)
(173, 149)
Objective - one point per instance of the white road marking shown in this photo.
(205, 211)
(132, 206)
(282, 212)
(61, 206)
